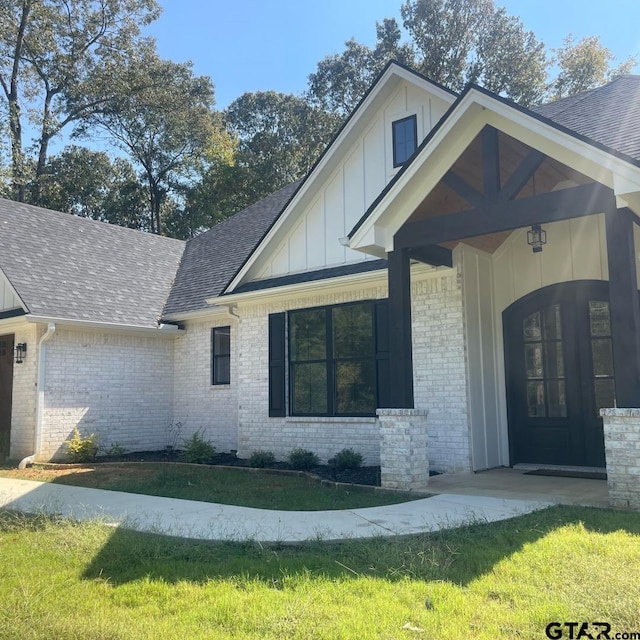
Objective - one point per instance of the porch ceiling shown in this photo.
(444, 200)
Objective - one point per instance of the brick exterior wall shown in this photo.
(622, 453)
(439, 369)
(324, 436)
(23, 402)
(439, 372)
(404, 461)
(197, 404)
(117, 386)
(132, 389)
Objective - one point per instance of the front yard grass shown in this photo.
(64, 580)
(242, 487)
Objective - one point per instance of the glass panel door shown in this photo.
(601, 355)
(544, 364)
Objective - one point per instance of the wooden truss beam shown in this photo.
(433, 254)
(575, 202)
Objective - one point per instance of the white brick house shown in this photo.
(398, 275)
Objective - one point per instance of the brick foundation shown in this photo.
(622, 452)
(404, 463)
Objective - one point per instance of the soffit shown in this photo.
(443, 200)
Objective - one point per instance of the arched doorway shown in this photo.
(559, 366)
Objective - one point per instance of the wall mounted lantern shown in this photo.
(21, 352)
(536, 238)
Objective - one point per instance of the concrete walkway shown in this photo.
(202, 520)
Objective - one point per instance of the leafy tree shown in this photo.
(454, 42)
(163, 119)
(276, 138)
(585, 65)
(279, 137)
(451, 42)
(510, 61)
(342, 79)
(49, 52)
(89, 184)
(220, 193)
(444, 35)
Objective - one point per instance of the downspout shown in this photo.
(37, 438)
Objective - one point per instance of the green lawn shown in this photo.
(243, 487)
(62, 580)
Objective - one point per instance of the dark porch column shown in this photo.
(624, 306)
(400, 349)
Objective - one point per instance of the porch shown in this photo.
(516, 483)
(535, 388)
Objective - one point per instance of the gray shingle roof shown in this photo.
(212, 259)
(609, 115)
(68, 267)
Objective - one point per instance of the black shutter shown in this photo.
(277, 365)
(382, 353)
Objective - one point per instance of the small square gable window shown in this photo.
(405, 139)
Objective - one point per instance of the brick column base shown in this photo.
(403, 449)
(622, 453)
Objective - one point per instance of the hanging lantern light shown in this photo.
(536, 238)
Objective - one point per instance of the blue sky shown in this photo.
(257, 45)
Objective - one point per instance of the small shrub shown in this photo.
(197, 449)
(172, 435)
(261, 459)
(116, 450)
(303, 459)
(82, 449)
(346, 459)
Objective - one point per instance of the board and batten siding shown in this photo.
(8, 299)
(575, 250)
(481, 358)
(311, 238)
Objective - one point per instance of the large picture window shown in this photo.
(332, 360)
(221, 355)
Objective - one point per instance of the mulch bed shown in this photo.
(363, 475)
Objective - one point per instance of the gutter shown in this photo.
(366, 278)
(37, 438)
(163, 329)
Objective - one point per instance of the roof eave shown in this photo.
(375, 92)
(163, 329)
(476, 108)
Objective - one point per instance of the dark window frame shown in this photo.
(394, 126)
(220, 375)
(331, 361)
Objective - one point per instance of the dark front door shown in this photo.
(559, 369)
(6, 389)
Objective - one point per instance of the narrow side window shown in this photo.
(405, 139)
(221, 355)
(277, 364)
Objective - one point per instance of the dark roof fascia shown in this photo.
(12, 313)
(559, 127)
(266, 233)
(408, 163)
(365, 266)
(416, 73)
(506, 102)
(342, 127)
